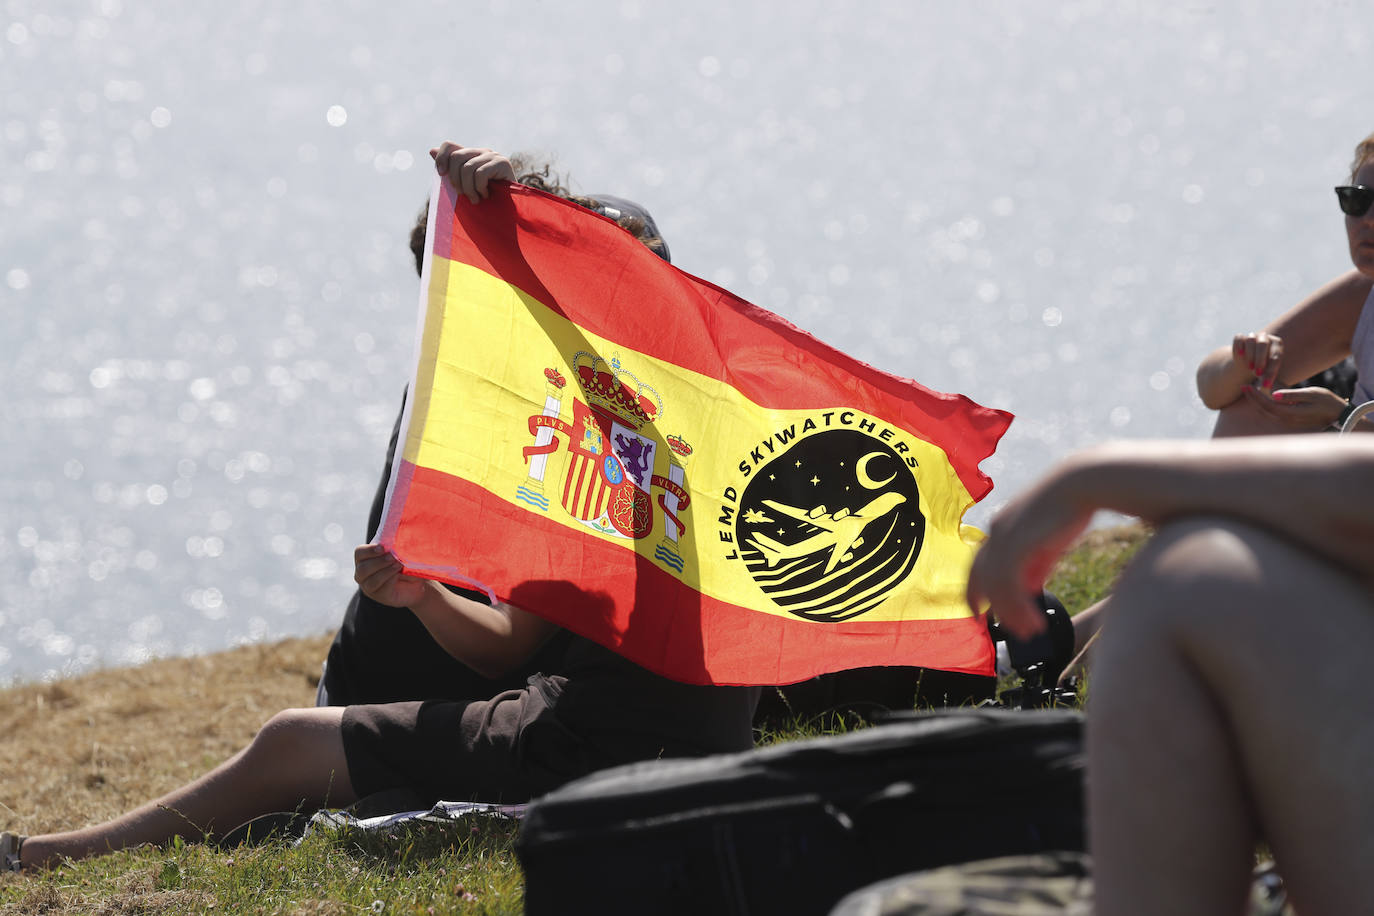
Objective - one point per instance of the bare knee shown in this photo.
(276, 734)
(1202, 582)
(1195, 566)
(298, 754)
(293, 733)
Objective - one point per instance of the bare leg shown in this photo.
(295, 761)
(1086, 623)
(1229, 705)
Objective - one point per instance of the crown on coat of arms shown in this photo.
(555, 378)
(679, 446)
(615, 391)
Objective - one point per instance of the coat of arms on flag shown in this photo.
(608, 478)
(753, 505)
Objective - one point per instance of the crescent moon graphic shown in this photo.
(861, 471)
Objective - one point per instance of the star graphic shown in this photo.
(815, 480)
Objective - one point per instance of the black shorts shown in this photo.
(507, 749)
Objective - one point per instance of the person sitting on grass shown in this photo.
(1228, 705)
(1300, 347)
(1245, 382)
(592, 709)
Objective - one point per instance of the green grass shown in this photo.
(1086, 573)
(467, 867)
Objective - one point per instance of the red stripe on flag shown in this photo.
(591, 271)
(662, 624)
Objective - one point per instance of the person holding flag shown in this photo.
(589, 710)
(566, 380)
(382, 654)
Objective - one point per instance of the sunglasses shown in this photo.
(1355, 199)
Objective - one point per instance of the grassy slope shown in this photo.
(83, 750)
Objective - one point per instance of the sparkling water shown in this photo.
(208, 302)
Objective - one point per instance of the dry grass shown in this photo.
(80, 751)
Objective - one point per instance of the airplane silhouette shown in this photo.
(842, 530)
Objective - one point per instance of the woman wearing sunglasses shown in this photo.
(1332, 323)
(1247, 380)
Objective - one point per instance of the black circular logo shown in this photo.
(830, 526)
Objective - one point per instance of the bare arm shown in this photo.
(491, 639)
(1317, 491)
(1312, 336)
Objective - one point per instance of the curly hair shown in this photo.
(539, 174)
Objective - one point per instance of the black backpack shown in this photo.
(794, 827)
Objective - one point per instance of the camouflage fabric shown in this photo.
(1049, 884)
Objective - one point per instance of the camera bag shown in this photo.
(867, 694)
(793, 827)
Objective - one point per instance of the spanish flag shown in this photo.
(741, 503)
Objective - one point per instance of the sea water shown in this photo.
(208, 303)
